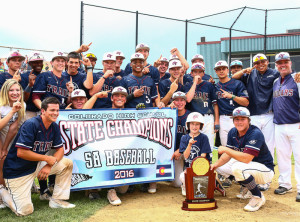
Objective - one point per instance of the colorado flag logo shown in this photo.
(163, 170)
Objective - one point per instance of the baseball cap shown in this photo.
(91, 55)
(108, 56)
(282, 56)
(78, 93)
(137, 56)
(259, 57)
(172, 57)
(119, 53)
(221, 63)
(13, 54)
(236, 63)
(240, 111)
(174, 64)
(142, 46)
(164, 59)
(58, 55)
(119, 89)
(36, 56)
(197, 56)
(198, 65)
(179, 94)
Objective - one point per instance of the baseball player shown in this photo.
(193, 144)
(286, 106)
(203, 99)
(246, 157)
(200, 59)
(141, 87)
(119, 73)
(80, 80)
(179, 102)
(162, 64)
(14, 62)
(259, 83)
(231, 93)
(236, 66)
(167, 87)
(35, 61)
(148, 69)
(93, 59)
(105, 81)
(27, 159)
(53, 84)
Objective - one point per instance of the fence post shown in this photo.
(81, 23)
(265, 36)
(136, 28)
(186, 35)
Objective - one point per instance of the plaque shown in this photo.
(200, 186)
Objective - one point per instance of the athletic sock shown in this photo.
(251, 185)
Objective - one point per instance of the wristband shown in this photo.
(104, 77)
(217, 127)
(28, 89)
(89, 70)
(89, 67)
(233, 96)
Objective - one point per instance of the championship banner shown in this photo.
(117, 147)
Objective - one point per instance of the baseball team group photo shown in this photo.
(140, 140)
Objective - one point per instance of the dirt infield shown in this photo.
(166, 204)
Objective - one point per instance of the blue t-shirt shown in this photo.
(204, 97)
(49, 85)
(189, 78)
(201, 146)
(253, 142)
(286, 100)
(109, 84)
(77, 79)
(29, 104)
(260, 90)
(166, 76)
(154, 73)
(121, 73)
(233, 86)
(181, 129)
(35, 137)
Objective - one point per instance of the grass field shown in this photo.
(84, 207)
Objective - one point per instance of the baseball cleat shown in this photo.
(220, 188)
(255, 203)
(263, 187)
(152, 188)
(227, 183)
(282, 190)
(2, 205)
(298, 197)
(46, 195)
(35, 188)
(55, 203)
(183, 191)
(113, 198)
(244, 193)
(7, 199)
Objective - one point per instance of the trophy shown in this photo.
(200, 186)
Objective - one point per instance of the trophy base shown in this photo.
(199, 206)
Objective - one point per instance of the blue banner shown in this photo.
(117, 147)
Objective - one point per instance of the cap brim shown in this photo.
(64, 57)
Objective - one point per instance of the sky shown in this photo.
(55, 24)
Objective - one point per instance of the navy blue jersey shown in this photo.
(132, 82)
(204, 97)
(286, 100)
(49, 85)
(77, 79)
(260, 90)
(164, 87)
(121, 73)
(5, 75)
(109, 84)
(154, 74)
(233, 86)
(32, 136)
(253, 142)
(29, 104)
(181, 129)
(166, 76)
(201, 146)
(189, 78)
